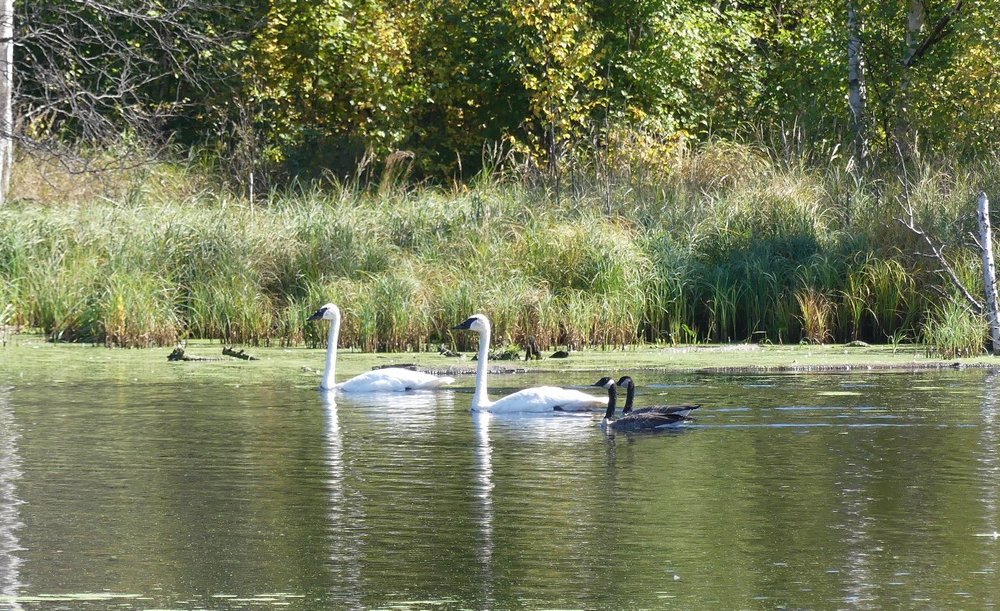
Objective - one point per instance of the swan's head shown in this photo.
(604, 382)
(477, 322)
(327, 312)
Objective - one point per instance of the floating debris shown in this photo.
(239, 354)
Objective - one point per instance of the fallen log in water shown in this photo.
(239, 354)
(178, 354)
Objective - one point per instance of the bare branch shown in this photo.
(937, 252)
(91, 71)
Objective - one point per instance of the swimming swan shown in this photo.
(627, 383)
(636, 421)
(537, 399)
(389, 379)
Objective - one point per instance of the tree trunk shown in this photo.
(916, 26)
(916, 23)
(857, 95)
(921, 38)
(989, 272)
(6, 95)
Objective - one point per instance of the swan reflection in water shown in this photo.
(10, 514)
(484, 495)
(564, 430)
(412, 413)
(988, 471)
(346, 515)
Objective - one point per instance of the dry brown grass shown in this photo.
(63, 180)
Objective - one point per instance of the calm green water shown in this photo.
(862, 491)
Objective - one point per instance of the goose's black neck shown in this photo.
(612, 398)
(629, 393)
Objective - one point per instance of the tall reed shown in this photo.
(656, 240)
(816, 309)
(952, 330)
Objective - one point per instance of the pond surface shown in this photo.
(861, 490)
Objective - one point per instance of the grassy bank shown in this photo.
(729, 242)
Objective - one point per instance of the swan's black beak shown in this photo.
(465, 325)
(318, 315)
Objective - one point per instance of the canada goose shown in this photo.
(537, 399)
(627, 383)
(635, 421)
(388, 379)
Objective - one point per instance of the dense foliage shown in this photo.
(305, 88)
(662, 170)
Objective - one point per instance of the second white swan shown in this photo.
(389, 379)
(537, 399)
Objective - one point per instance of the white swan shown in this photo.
(389, 379)
(537, 399)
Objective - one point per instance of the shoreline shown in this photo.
(33, 359)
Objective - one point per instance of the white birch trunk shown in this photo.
(916, 24)
(6, 95)
(856, 91)
(916, 28)
(989, 272)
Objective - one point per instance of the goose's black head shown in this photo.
(604, 382)
(625, 381)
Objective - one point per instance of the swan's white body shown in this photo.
(537, 399)
(390, 379)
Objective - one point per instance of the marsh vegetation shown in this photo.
(662, 172)
(720, 242)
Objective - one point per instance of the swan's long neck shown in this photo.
(330, 373)
(481, 399)
(612, 398)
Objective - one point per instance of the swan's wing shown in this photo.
(393, 379)
(548, 399)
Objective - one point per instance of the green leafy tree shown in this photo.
(557, 63)
(929, 83)
(674, 65)
(332, 78)
(471, 90)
